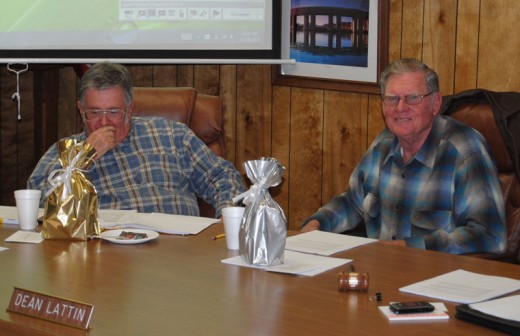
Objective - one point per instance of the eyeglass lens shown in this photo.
(411, 99)
(113, 115)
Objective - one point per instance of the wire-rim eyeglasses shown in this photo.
(93, 115)
(411, 99)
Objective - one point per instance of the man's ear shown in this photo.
(437, 102)
(78, 105)
(129, 111)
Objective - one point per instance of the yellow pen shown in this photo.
(222, 235)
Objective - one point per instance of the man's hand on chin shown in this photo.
(103, 139)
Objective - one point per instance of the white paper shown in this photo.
(25, 237)
(439, 313)
(164, 223)
(506, 308)
(324, 243)
(296, 263)
(3, 249)
(9, 214)
(110, 216)
(464, 287)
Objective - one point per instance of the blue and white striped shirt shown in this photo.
(161, 166)
(447, 198)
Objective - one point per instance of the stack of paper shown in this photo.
(300, 253)
(164, 223)
(296, 263)
(507, 308)
(500, 314)
(464, 287)
(324, 243)
(9, 214)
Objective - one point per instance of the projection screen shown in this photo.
(159, 31)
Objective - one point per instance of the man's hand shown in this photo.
(311, 226)
(103, 139)
(394, 242)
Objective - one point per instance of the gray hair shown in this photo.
(106, 75)
(405, 65)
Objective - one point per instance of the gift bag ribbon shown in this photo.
(63, 175)
(253, 191)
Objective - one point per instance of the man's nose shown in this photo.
(401, 105)
(104, 119)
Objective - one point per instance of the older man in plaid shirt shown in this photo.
(145, 164)
(426, 181)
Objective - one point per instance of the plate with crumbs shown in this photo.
(129, 236)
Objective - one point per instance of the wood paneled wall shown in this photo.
(318, 135)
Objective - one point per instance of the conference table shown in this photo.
(177, 285)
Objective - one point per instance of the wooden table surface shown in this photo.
(176, 285)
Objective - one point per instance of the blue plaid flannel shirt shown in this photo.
(447, 198)
(161, 166)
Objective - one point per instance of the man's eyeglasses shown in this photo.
(96, 115)
(411, 99)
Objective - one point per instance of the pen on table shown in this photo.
(222, 235)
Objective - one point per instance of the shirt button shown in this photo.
(398, 207)
(403, 175)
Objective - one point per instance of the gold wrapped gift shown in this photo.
(71, 207)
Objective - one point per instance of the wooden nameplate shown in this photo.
(50, 308)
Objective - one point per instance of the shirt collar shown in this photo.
(428, 152)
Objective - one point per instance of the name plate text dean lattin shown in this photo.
(45, 307)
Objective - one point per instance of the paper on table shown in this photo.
(164, 223)
(507, 308)
(9, 214)
(439, 313)
(324, 243)
(110, 216)
(464, 287)
(4, 249)
(296, 263)
(25, 237)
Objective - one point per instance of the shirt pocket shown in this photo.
(432, 219)
(371, 206)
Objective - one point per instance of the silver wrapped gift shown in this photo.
(264, 227)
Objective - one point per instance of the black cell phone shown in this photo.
(411, 307)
